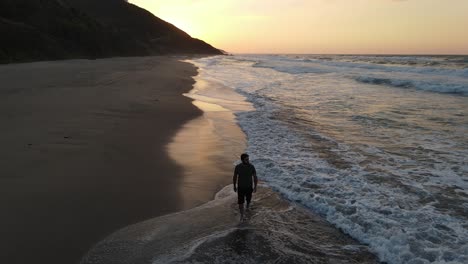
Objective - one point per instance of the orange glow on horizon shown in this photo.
(321, 26)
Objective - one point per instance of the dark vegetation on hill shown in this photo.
(34, 30)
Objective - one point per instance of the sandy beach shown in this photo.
(84, 152)
(129, 160)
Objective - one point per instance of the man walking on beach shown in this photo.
(244, 175)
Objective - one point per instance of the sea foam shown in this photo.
(377, 161)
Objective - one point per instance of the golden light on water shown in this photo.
(321, 26)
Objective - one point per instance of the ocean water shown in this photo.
(376, 145)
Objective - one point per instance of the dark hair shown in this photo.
(244, 155)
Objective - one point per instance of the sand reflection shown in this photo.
(206, 147)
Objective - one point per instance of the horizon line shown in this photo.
(360, 54)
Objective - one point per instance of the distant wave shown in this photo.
(293, 68)
(433, 79)
(450, 88)
(325, 65)
(451, 62)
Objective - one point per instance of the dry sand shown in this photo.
(83, 151)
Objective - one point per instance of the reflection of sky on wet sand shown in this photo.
(208, 146)
(208, 107)
(210, 91)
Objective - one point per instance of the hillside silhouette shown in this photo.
(34, 30)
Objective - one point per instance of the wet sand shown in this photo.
(207, 148)
(275, 231)
(83, 151)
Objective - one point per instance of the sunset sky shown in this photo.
(321, 26)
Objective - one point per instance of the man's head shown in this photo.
(245, 158)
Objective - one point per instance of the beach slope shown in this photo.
(83, 151)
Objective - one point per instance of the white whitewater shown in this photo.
(377, 145)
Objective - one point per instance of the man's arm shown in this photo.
(234, 179)
(255, 179)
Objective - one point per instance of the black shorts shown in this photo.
(244, 194)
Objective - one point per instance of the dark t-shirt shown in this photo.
(245, 173)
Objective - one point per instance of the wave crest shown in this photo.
(450, 88)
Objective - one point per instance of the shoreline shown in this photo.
(112, 209)
(82, 142)
(206, 147)
(208, 228)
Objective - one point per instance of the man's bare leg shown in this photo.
(241, 210)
